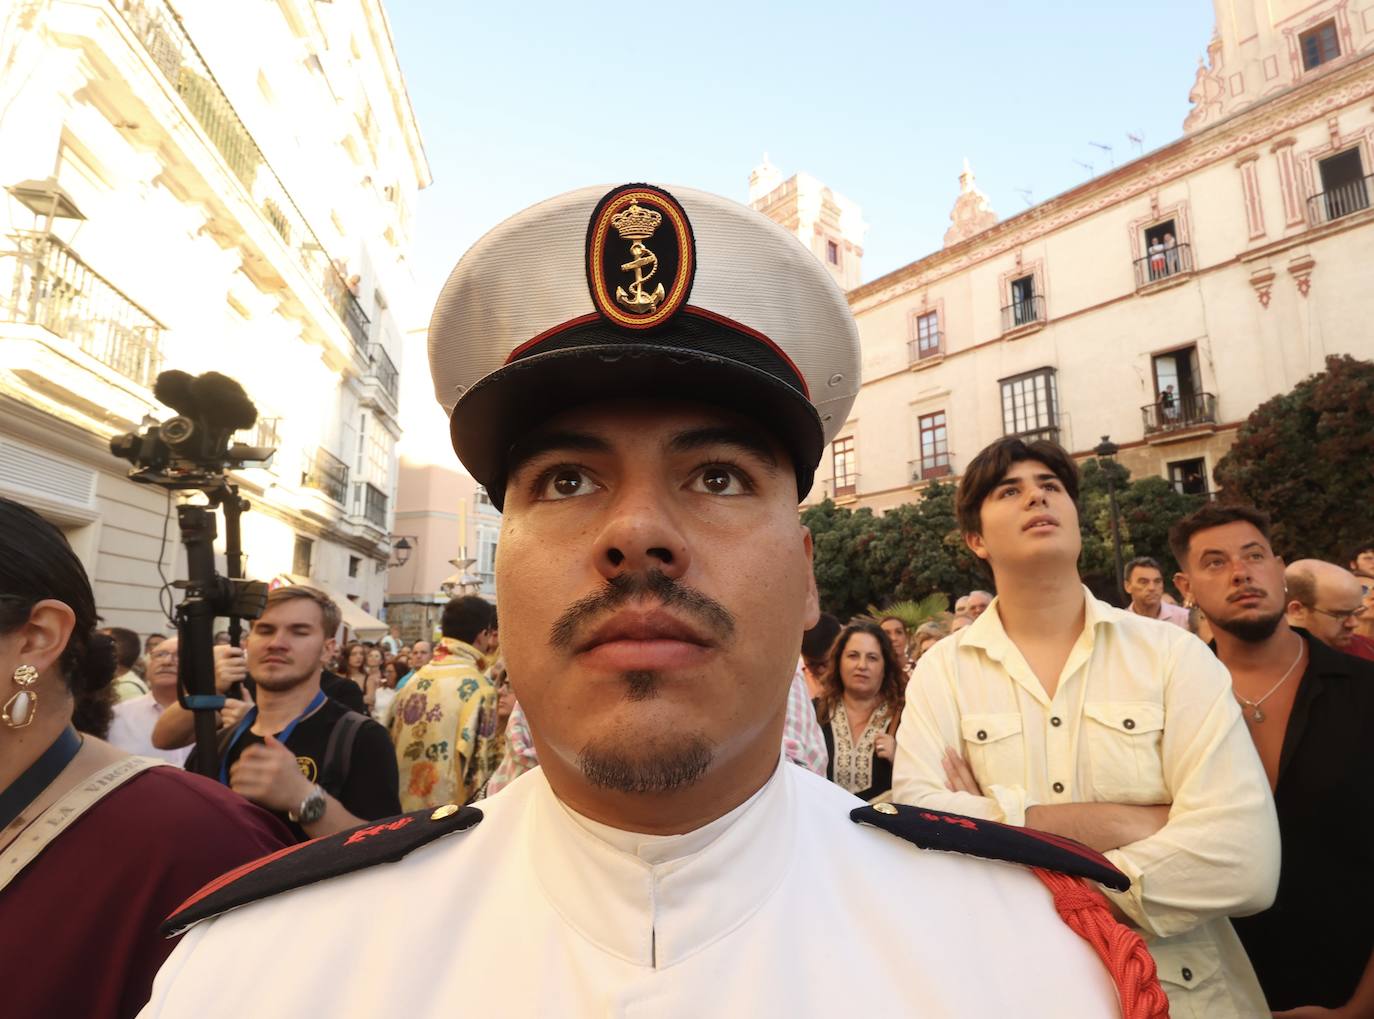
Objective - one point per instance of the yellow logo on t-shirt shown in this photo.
(307, 766)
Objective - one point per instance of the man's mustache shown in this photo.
(629, 587)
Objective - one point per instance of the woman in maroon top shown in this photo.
(96, 847)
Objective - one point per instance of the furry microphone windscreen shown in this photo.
(173, 388)
(222, 403)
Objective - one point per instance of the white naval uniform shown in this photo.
(784, 907)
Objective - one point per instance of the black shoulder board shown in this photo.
(955, 833)
(307, 862)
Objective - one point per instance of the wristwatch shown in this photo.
(311, 808)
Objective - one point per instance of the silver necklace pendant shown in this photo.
(1257, 715)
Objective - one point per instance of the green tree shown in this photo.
(841, 538)
(918, 550)
(1306, 457)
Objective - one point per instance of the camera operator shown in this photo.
(297, 752)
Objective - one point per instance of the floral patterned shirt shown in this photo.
(444, 729)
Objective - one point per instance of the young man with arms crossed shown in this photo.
(1058, 712)
(1310, 712)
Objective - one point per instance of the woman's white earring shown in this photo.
(20, 708)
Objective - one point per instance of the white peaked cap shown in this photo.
(640, 291)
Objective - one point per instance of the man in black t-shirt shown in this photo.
(298, 753)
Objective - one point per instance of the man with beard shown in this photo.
(298, 753)
(1310, 711)
(654, 582)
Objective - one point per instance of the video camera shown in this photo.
(192, 451)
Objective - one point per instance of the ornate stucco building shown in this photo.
(207, 186)
(1159, 303)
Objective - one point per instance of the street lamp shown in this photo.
(400, 552)
(1107, 450)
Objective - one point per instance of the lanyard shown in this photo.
(38, 775)
(247, 720)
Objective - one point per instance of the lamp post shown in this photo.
(1107, 450)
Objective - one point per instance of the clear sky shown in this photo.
(880, 100)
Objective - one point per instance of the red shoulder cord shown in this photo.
(1128, 960)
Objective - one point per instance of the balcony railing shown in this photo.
(847, 484)
(1162, 264)
(924, 348)
(160, 30)
(325, 472)
(932, 465)
(1187, 410)
(381, 367)
(53, 288)
(1339, 201)
(369, 502)
(1024, 312)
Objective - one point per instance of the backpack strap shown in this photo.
(338, 753)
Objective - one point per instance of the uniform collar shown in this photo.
(654, 901)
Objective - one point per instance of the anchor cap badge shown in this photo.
(634, 285)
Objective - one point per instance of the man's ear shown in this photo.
(1295, 610)
(1184, 588)
(330, 649)
(812, 611)
(976, 546)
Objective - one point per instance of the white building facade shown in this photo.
(1159, 303)
(207, 186)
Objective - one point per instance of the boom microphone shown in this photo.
(173, 388)
(222, 403)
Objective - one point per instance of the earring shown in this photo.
(20, 708)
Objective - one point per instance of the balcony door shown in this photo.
(1344, 187)
(1178, 384)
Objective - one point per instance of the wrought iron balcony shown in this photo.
(1187, 410)
(932, 465)
(924, 348)
(1027, 311)
(1163, 264)
(52, 287)
(369, 502)
(381, 368)
(160, 30)
(325, 472)
(1342, 200)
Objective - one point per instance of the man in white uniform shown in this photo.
(654, 582)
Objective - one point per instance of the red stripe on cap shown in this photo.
(243, 870)
(711, 316)
(547, 333)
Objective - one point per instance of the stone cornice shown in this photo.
(1257, 124)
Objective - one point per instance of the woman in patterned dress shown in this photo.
(859, 708)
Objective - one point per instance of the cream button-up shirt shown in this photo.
(783, 907)
(1143, 714)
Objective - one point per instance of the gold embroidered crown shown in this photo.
(636, 223)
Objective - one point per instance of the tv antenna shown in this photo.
(1138, 140)
(1111, 160)
(1086, 166)
(1025, 194)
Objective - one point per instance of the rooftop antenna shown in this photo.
(1138, 140)
(1111, 160)
(1086, 166)
(1025, 194)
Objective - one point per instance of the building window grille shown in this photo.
(1030, 405)
(1345, 187)
(1026, 305)
(1319, 45)
(845, 466)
